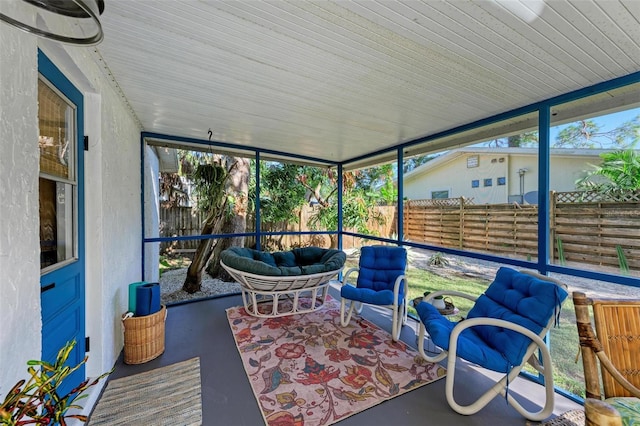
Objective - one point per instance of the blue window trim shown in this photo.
(501, 181)
(475, 183)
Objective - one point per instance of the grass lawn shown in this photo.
(168, 263)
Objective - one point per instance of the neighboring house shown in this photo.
(496, 175)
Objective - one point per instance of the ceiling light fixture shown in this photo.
(76, 13)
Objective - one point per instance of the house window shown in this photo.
(488, 182)
(438, 195)
(475, 183)
(473, 161)
(502, 181)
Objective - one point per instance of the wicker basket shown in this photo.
(144, 337)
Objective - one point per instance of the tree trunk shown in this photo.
(333, 241)
(236, 222)
(193, 280)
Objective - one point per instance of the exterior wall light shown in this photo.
(82, 15)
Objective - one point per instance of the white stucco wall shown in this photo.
(564, 171)
(112, 190)
(19, 234)
(455, 177)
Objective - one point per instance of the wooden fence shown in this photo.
(180, 221)
(503, 229)
(591, 229)
(593, 232)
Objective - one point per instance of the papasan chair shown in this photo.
(284, 282)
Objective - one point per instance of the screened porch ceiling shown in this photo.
(340, 80)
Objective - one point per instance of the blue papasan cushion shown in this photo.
(299, 261)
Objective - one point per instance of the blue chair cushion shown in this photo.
(513, 296)
(470, 346)
(380, 266)
(366, 295)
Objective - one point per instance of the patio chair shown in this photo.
(503, 332)
(615, 345)
(381, 282)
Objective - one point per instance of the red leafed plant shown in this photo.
(36, 401)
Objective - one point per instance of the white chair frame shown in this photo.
(260, 289)
(499, 388)
(398, 319)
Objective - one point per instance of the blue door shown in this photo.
(61, 190)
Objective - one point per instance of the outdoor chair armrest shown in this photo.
(495, 322)
(345, 275)
(402, 279)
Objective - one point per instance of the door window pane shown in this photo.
(56, 138)
(56, 222)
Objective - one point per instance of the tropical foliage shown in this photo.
(286, 187)
(618, 172)
(37, 400)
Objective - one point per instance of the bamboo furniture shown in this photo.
(615, 346)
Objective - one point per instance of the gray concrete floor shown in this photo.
(201, 329)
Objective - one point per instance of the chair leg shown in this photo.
(500, 388)
(396, 323)
(399, 319)
(345, 313)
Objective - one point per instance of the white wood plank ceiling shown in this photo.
(339, 79)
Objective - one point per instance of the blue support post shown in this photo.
(257, 201)
(544, 131)
(400, 181)
(340, 215)
(142, 265)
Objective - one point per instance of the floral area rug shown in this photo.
(309, 370)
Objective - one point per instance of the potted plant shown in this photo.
(36, 401)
